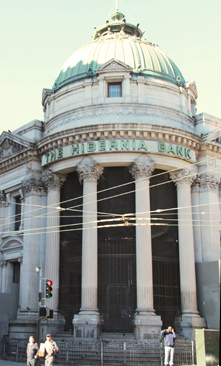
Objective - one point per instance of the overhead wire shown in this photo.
(113, 196)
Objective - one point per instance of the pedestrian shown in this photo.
(51, 350)
(32, 349)
(169, 337)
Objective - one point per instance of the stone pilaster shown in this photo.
(196, 211)
(147, 323)
(210, 216)
(53, 183)
(87, 322)
(190, 319)
(31, 193)
(4, 277)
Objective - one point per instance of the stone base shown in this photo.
(87, 327)
(147, 327)
(186, 325)
(26, 325)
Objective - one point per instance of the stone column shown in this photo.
(53, 183)
(87, 322)
(147, 323)
(190, 319)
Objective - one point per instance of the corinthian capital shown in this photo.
(142, 167)
(183, 176)
(88, 170)
(209, 182)
(32, 184)
(52, 180)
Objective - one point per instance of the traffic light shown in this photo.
(49, 289)
(44, 312)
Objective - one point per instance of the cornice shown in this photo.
(18, 159)
(121, 131)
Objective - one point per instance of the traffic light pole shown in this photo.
(39, 270)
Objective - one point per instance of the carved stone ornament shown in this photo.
(3, 263)
(88, 170)
(142, 167)
(9, 148)
(52, 180)
(2, 198)
(32, 184)
(173, 118)
(196, 185)
(183, 176)
(209, 182)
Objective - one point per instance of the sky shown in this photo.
(38, 36)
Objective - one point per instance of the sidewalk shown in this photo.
(11, 363)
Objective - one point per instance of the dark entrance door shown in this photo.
(117, 284)
(116, 251)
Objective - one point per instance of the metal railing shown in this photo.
(104, 353)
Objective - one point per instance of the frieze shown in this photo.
(74, 116)
(118, 145)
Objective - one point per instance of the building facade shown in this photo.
(115, 197)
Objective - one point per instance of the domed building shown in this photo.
(114, 197)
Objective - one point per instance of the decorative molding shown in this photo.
(3, 263)
(31, 185)
(113, 65)
(183, 176)
(142, 167)
(88, 170)
(9, 148)
(95, 112)
(52, 180)
(2, 198)
(209, 182)
(17, 159)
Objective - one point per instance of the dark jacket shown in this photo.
(169, 338)
(32, 349)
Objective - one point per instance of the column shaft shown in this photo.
(186, 250)
(89, 248)
(143, 248)
(52, 256)
(53, 183)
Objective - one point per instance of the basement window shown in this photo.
(114, 90)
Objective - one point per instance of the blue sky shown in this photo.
(38, 36)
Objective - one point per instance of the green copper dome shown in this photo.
(122, 41)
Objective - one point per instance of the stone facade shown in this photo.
(152, 125)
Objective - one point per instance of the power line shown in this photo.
(111, 188)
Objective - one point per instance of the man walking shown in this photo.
(51, 350)
(169, 337)
(32, 349)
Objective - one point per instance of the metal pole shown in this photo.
(39, 304)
